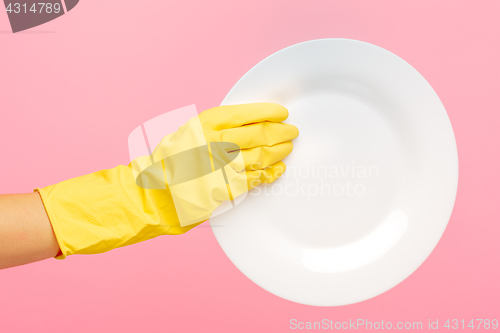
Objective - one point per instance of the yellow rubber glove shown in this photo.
(213, 158)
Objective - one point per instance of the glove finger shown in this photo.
(264, 156)
(229, 116)
(265, 176)
(260, 134)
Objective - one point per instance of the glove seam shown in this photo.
(55, 227)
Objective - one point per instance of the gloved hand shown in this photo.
(214, 157)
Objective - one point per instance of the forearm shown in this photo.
(26, 234)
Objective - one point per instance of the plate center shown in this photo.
(344, 167)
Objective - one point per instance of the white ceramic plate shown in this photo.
(369, 187)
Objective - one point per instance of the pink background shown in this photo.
(73, 89)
